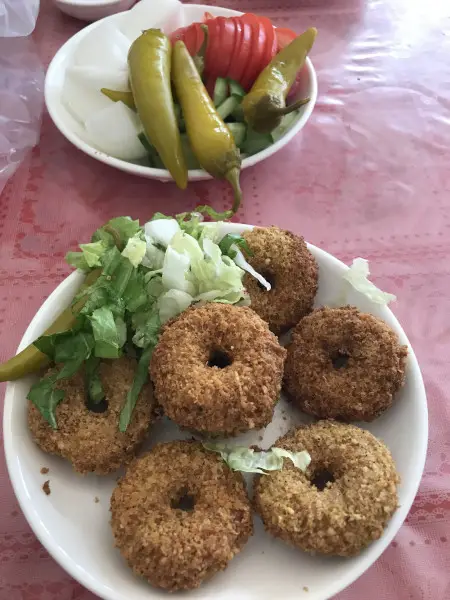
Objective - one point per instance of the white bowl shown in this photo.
(75, 529)
(92, 10)
(187, 14)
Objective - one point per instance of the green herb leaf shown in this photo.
(46, 398)
(146, 324)
(72, 351)
(159, 215)
(77, 260)
(107, 343)
(93, 383)
(234, 239)
(125, 227)
(140, 379)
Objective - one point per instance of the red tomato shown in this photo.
(259, 38)
(227, 43)
(243, 57)
(192, 36)
(213, 56)
(271, 43)
(235, 69)
(221, 43)
(284, 36)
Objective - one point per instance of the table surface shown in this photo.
(368, 176)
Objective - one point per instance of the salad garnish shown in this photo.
(247, 460)
(138, 279)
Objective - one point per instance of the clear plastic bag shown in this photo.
(18, 17)
(21, 85)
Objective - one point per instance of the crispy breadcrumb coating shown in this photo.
(351, 511)
(285, 261)
(218, 369)
(92, 441)
(179, 515)
(344, 364)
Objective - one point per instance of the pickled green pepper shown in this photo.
(31, 360)
(149, 61)
(211, 141)
(265, 104)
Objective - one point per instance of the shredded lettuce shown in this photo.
(239, 259)
(358, 277)
(161, 231)
(175, 271)
(172, 303)
(247, 460)
(135, 250)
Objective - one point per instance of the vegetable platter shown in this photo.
(97, 58)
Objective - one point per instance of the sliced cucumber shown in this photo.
(191, 160)
(220, 91)
(238, 114)
(255, 142)
(235, 88)
(286, 123)
(239, 132)
(144, 141)
(228, 106)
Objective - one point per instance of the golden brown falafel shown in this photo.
(284, 260)
(344, 364)
(340, 517)
(217, 369)
(179, 515)
(92, 441)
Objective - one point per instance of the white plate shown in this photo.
(75, 529)
(169, 20)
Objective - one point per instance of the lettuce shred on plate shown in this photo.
(148, 275)
(358, 277)
(246, 460)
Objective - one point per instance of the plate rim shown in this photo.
(85, 578)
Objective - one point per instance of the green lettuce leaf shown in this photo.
(135, 250)
(106, 334)
(140, 379)
(146, 324)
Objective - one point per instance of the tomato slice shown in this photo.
(243, 53)
(192, 36)
(227, 43)
(213, 54)
(271, 46)
(284, 36)
(258, 45)
(235, 69)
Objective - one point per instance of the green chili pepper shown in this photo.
(265, 104)
(149, 61)
(31, 359)
(211, 141)
(125, 97)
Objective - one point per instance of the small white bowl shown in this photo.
(93, 10)
(73, 131)
(74, 527)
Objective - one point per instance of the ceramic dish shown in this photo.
(92, 10)
(169, 17)
(75, 529)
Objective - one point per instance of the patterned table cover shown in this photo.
(369, 176)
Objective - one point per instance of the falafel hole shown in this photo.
(339, 359)
(97, 407)
(322, 478)
(269, 277)
(219, 358)
(183, 500)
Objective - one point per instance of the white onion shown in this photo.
(104, 47)
(114, 130)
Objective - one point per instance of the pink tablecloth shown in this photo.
(368, 177)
